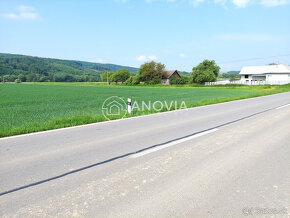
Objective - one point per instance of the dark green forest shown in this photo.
(24, 68)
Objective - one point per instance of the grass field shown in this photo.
(26, 108)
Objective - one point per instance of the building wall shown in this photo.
(176, 74)
(274, 78)
(259, 78)
(243, 78)
(165, 82)
(277, 77)
(253, 78)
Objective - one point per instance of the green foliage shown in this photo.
(136, 80)
(5, 78)
(155, 81)
(132, 80)
(106, 76)
(113, 78)
(129, 81)
(22, 78)
(121, 75)
(17, 81)
(207, 71)
(203, 76)
(184, 73)
(179, 81)
(229, 75)
(34, 69)
(151, 70)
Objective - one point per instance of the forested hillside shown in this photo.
(229, 75)
(36, 69)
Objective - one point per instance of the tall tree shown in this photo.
(122, 75)
(151, 70)
(105, 76)
(206, 71)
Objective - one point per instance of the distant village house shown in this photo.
(167, 75)
(269, 74)
(275, 74)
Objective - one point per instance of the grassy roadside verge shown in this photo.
(32, 107)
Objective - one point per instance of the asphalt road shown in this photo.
(223, 160)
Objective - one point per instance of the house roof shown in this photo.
(256, 70)
(168, 74)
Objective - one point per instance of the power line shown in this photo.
(241, 60)
(253, 59)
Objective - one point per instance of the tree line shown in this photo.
(153, 72)
(18, 68)
(34, 69)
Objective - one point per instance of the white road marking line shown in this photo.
(171, 143)
(282, 106)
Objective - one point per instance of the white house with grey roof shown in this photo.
(271, 74)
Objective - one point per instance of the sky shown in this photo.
(178, 33)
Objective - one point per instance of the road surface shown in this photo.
(224, 160)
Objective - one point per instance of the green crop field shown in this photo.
(28, 108)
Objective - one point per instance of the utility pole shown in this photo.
(107, 78)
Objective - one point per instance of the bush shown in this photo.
(155, 81)
(128, 82)
(203, 76)
(17, 81)
(179, 81)
(136, 80)
(132, 80)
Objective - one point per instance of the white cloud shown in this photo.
(241, 3)
(23, 12)
(195, 3)
(24, 8)
(182, 55)
(100, 60)
(145, 58)
(222, 2)
(152, 57)
(142, 58)
(244, 37)
(273, 3)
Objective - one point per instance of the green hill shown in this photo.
(184, 73)
(36, 69)
(229, 75)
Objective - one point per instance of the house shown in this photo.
(167, 75)
(271, 74)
